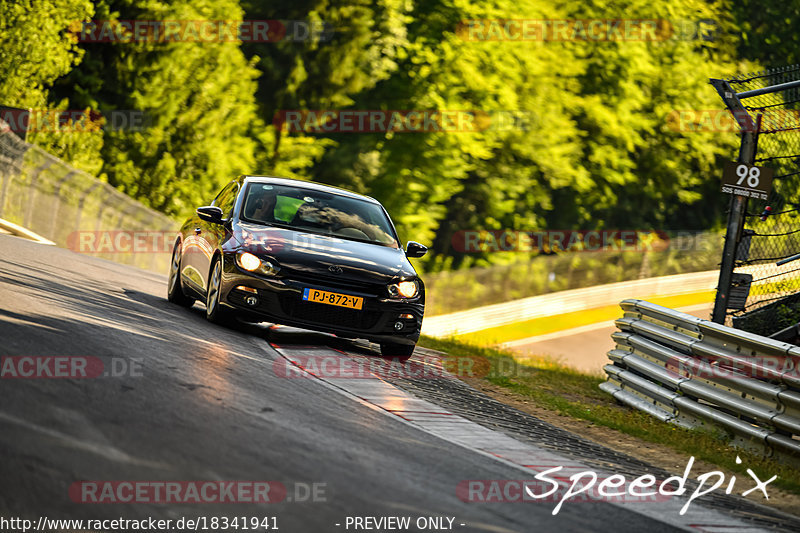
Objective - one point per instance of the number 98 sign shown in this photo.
(747, 180)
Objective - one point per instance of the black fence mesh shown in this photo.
(772, 226)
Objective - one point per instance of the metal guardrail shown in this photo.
(698, 374)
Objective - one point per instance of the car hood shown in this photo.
(324, 255)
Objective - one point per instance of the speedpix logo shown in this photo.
(588, 486)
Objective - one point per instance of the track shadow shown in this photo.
(289, 336)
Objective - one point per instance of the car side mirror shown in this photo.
(210, 213)
(415, 249)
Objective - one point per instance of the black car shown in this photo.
(301, 254)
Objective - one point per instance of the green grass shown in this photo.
(550, 324)
(774, 287)
(568, 392)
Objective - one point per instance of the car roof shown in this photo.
(311, 185)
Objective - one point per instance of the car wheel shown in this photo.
(175, 292)
(214, 311)
(401, 351)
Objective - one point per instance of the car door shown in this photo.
(208, 235)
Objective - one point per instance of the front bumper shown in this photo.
(279, 300)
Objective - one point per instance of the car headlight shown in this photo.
(252, 263)
(404, 289)
(248, 261)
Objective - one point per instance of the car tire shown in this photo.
(400, 351)
(175, 292)
(214, 311)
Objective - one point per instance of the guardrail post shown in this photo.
(733, 235)
(738, 205)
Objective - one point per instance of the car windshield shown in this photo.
(317, 212)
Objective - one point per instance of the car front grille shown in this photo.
(375, 289)
(328, 315)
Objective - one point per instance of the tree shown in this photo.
(37, 46)
(203, 125)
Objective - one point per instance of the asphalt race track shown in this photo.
(189, 409)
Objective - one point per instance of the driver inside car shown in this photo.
(264, 208)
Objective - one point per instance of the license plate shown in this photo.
(333, 298)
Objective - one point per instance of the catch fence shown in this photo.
(51, 198)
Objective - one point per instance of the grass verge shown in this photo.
(557, 388)
(550, 324)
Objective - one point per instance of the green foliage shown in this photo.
(198, 97)
(78, 141)
(789, 314)
(436, 183)
(594, 145)
(597, 152)
(37, 47)
(644, 172)
(768, 30)
(772, 317)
